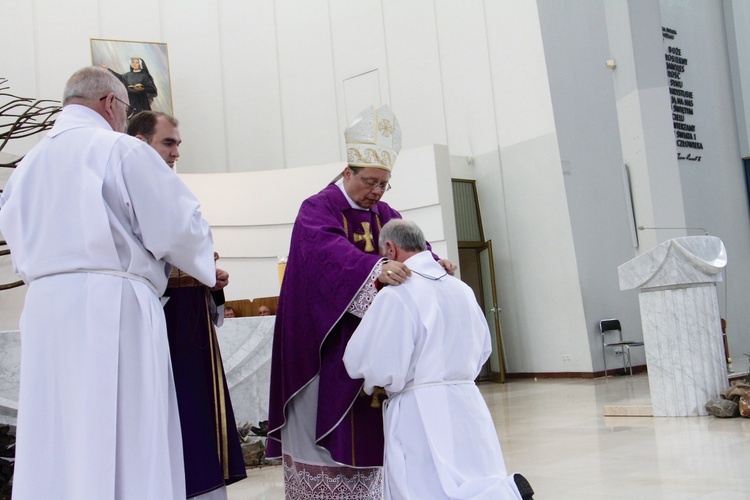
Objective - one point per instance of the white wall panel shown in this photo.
(258, 198)
(519, 75)
(357, 37)
(358, 43)
(195, 61)
(466, 77)
(250, 278)
(147, 28)
(442, 249)
(447, 208)
(546, 311)
(548, 304)
(254, 136)
(19, 62)
(414, 179)
(273, 197)
(737, 17)
(252, 241)
(308, 89)
(414, 71)
(62, 38)
(359, 93)
(430, 221)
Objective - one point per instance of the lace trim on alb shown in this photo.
(366, 294)
(317, 482)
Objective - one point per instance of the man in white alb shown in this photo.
(93, 217)
(425, 342)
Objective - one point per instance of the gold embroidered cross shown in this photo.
(366, 237)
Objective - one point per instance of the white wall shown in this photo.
(714, 189)
(736, 14)
(588, 135)
(543, 318)
(250, 84)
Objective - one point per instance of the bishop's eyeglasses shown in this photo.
(372, 184)
(131, 109)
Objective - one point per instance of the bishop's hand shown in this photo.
(449, 266)
(393, 273)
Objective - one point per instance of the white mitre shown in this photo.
(373, 139)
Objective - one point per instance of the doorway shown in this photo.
(478, 271)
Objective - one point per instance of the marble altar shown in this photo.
(245, 345)
(681, 322)
(10, 374)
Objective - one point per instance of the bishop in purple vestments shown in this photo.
(330, 436)
(333, 256)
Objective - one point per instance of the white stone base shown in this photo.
(684, 349)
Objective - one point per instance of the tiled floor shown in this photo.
(554, 432)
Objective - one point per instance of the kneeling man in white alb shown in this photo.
(425, 343)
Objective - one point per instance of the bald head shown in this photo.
(91, 83)
(400, 239)
(98, 89)
(405, 234)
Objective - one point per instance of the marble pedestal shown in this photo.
(681, 322)
(10, 374)
(245, 345)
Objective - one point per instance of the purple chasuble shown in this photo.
(333, 251)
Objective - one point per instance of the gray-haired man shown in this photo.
(92, 217)
(425, 342)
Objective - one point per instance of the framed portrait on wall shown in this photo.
(143, 67)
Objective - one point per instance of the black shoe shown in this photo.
(261, 430)
(524, 488)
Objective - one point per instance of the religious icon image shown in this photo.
(143, 67)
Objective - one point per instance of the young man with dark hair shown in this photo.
(211, 446)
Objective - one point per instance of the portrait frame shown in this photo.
(116, 56)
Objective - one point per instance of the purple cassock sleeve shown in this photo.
(333, 252)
